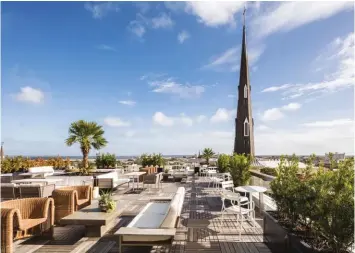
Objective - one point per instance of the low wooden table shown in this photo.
(97, 223)
(195, 223)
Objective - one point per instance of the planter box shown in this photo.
(298, 246)
(280, 240)
(275, 235)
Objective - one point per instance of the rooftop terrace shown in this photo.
(200, 203)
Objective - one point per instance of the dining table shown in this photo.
(134, 175)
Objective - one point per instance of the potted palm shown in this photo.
(88, 135)
(208, 154)
(106, 203)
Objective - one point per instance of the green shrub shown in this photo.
(285, 188)
(239, 166)
(269, 171)
(335, 205)
(321, 202)
(105, 161)
(151, 160)
(20, 163)
(223, 163)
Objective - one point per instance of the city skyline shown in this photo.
(163, 77)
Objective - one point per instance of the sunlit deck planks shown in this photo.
(220, 236)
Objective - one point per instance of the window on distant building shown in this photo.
(246, 127)
(245, 91)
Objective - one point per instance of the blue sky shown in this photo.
(163, 76)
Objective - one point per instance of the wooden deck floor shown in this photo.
(221, 236)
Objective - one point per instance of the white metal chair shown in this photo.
(239, 206)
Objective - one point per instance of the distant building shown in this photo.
(337, 157)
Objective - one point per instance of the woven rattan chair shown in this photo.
(36, 190)
(25, 217)
(67, 200)
(9, 191)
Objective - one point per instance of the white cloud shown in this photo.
(330, 123)
(213, 13)
(127, 102)
(171, 87)
(277, 88)
(159, 118)
(143, 6)
(263, 128)
(137, 28)
(292, 107)
(162, 21)
(338, 59)
(186, 120)
(200, 118)
(272, 114)
(182, 36)
(140, 25)
(231, 96)
(306, 140)
(30, 95)
(229, 60)
(116, 122)
(222, 115)
(290, 15)
(101, 9)
(106, 47)
(278, 113)
(221, 134)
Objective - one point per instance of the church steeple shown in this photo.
(244, 123)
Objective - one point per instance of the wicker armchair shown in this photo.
(67, 200)
(25, 217)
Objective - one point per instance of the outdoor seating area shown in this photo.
(170, 217)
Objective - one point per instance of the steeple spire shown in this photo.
(244, 122)
(244, 17)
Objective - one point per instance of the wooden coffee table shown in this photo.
(97, 223)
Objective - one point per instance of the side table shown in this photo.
(195, 223)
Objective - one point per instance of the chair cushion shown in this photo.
(82, 201)
(30, 223)
(151, 216)
(175, 209)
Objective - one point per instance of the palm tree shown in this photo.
(207, 154)
(87, 135)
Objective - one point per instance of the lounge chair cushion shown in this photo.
(82, 201)
(175, 209)
(145, 238)
(151, 216)
(30, 223)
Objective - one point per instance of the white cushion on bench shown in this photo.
(175, 209)
(46, 170)
(151, 216)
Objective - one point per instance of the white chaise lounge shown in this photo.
(42, 171)
(111, 180)
(154, 225)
